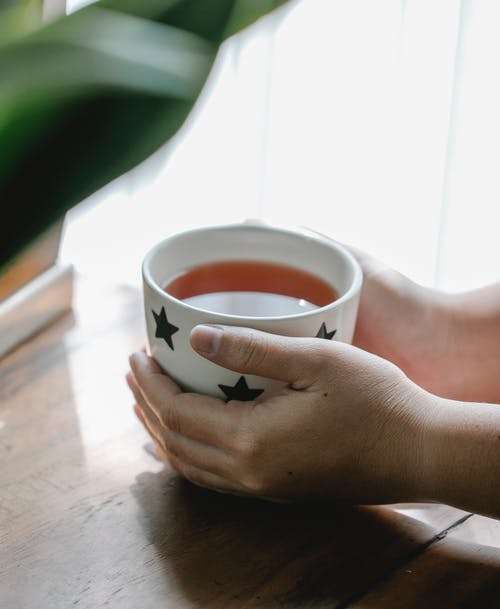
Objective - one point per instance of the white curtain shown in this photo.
(375, 122)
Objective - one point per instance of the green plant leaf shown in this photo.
(19, 17)
(89, 96)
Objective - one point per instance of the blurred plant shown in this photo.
(87, 97)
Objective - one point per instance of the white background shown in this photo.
(375, 122)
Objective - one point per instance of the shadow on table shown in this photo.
(219, 548)
(449, 574)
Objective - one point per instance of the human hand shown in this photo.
(414, 327)
(348, 425)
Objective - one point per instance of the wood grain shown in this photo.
(89, 518)
(449, 574)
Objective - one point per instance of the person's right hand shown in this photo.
(347, 425)
(412, 326)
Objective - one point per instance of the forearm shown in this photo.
(477, 343)
(462, 456)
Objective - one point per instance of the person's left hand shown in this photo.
(348, 425)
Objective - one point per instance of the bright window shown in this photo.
(375, 122)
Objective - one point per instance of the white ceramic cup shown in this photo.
(169, 320)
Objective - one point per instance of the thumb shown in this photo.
(292, 360)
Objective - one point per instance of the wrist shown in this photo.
(429, 479)
(432, 332)
(404, 461)
(419, 457)
(462, 456)
(463, 359)
(476, 357)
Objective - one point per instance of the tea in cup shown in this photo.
(278, 280)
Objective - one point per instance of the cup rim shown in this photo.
(353, 289)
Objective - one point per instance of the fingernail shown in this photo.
(206, 339)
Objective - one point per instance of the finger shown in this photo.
(158, 450)
(203, 456)
(142, 405)
(138, 395)
(150, 422)
(371, 266)
(190, 455)
(145, 422)
(200, 477)
(293, 360)
(201, 418)
(132, 385)
(145, 366)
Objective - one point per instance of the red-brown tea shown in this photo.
(247, 287)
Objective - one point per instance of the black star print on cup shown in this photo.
(240, 391)
(323, 332)
(164, 329)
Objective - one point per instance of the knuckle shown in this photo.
(255, 482)
(247, 447)
(249, 457)
(321, 354)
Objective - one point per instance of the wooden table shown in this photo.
(89, 518)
